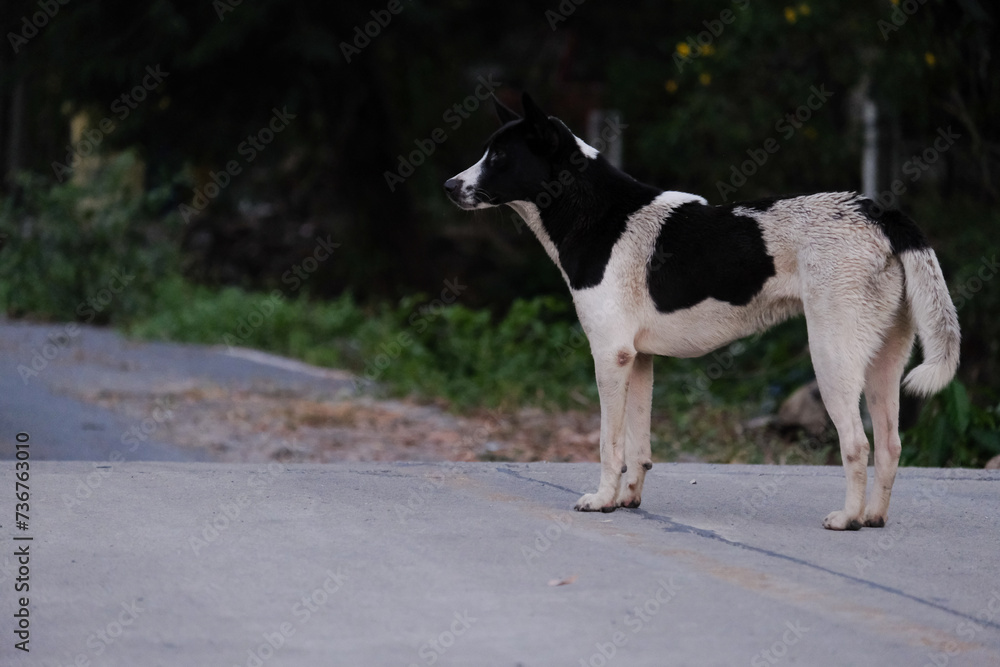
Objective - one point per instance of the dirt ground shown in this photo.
(261, 424)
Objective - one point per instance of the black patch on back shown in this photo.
(585, 231)
(902, 232)
(707, 251)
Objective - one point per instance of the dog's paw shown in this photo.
(630, 491)
(629, 496)
(874, 521)
(630, 502)
(595, 502)
(839, 520)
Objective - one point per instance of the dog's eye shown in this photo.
(497, 156)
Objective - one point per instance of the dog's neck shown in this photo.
(530, 213)
(579, 225)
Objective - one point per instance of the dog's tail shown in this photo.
(935, 319)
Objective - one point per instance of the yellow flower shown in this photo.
(790, 15)
(804, 9)
(930, 59)
(707, 50)
(705, 78)
(810, 132)
(683, 49)
(671, 86)
(895, 2)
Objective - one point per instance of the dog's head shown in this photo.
(521, 157)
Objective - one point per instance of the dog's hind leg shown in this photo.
(613, 367)
(882, 394)
(638, 457)
(841, 391)
(841, 347)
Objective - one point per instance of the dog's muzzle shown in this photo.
(453, 188)
(461, 195)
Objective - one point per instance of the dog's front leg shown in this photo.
(613, 369)
(637, 421)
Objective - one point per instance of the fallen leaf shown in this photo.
(563, 582)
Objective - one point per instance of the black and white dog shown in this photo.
(656, 272)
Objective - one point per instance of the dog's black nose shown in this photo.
(451, 185)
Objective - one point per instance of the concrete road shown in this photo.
(182, 564)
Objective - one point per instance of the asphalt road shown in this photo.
(142, 563)
(43, 367)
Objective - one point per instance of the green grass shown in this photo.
(415, 347)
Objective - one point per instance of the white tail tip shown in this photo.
(928, 379)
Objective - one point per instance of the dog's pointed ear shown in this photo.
(504, 114)
(543, 130)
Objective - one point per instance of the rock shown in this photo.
(759, 422)
(993, 463)
(804, 410)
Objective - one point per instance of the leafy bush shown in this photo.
(91, 253)
(534, 354)
(952, 431)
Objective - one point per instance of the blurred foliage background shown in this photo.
(205, 148)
